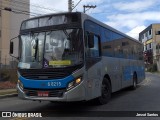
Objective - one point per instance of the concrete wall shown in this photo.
(157, 41)
(10, 25)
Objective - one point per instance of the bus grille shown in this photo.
(51, 93)
(48, 74)
(44, 74)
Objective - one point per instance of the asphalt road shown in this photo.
(145, 98)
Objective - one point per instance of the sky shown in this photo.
(127, 16)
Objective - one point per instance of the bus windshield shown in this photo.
(51, 49)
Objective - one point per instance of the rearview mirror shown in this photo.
(90, 40)
(11, 47)
(11, 51)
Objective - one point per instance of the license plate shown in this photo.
(43, 93)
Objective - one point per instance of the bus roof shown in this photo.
(89, 18)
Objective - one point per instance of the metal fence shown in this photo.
(8, 63)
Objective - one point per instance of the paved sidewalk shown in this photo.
(8, 93)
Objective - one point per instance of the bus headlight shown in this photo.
(20, 84)
(74, 83)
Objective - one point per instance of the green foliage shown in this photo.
(9, 75)
(152, 68)
(4, 74)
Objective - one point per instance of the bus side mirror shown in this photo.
(11, 47)
(90, 40)
(11, 51)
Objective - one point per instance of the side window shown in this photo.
(95, 50)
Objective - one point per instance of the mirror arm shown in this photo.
(13, 38)
(14, 57)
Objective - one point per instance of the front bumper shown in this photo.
(75, 94)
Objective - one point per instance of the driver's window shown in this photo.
(95, 50)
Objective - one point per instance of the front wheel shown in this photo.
(105, 92)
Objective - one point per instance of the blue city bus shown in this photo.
(74, 57)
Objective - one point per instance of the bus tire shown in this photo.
(134, 86)
(105, 92)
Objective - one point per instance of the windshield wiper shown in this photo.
(36, 48)
(66, 33)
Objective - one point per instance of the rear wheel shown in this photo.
(105, 92)
(134, 86)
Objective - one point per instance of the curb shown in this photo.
(157, 74)
(8, 95)
(153, 73)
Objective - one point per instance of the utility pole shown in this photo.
(89, 7)
(70, 5)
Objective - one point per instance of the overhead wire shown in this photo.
(17, 6)
(93, 9)
(21, 4)
(37, 6)
(76, 5)
(17, 12)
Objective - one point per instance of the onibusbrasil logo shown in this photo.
(21, 114)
